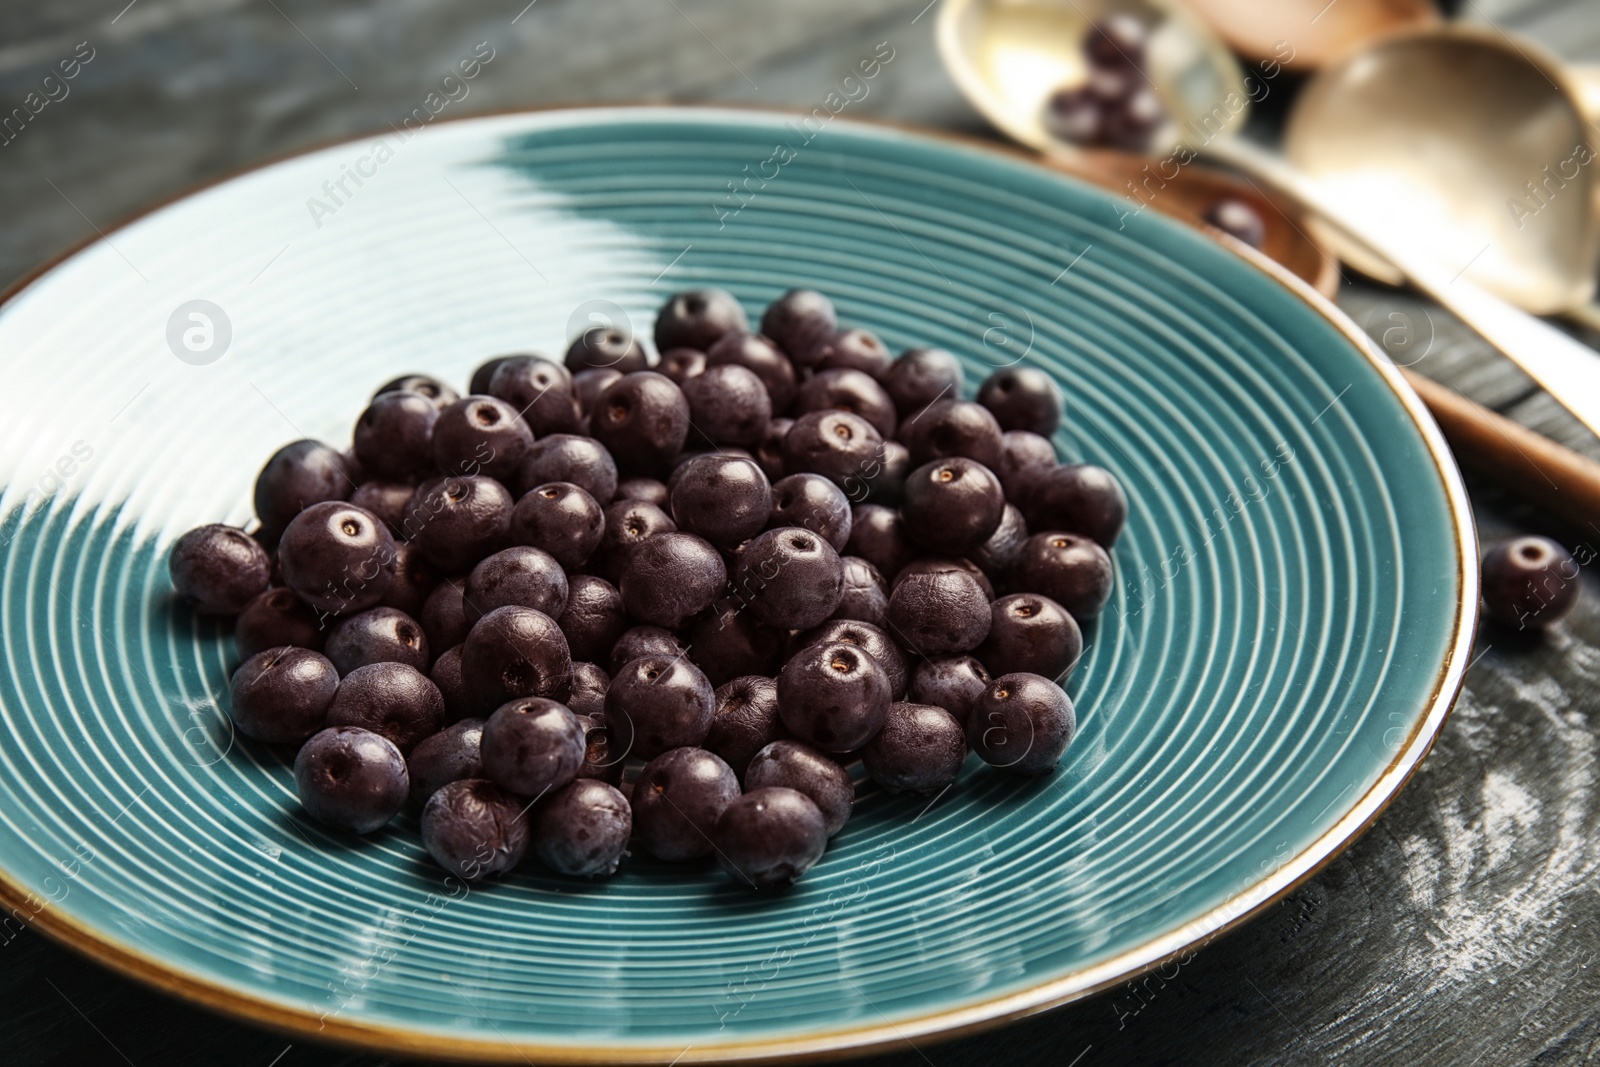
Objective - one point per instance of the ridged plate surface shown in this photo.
(1286, 633)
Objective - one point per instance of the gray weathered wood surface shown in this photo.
(1464, 928)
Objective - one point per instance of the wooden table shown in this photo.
(1464, 928)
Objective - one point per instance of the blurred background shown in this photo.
(1498, 830)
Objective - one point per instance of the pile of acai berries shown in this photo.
(614, 604)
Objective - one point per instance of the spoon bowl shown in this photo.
(1314, 32)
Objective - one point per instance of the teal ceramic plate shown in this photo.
(1290, 623)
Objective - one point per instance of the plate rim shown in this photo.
(849, 1041)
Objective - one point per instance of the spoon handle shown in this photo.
(1567, 369)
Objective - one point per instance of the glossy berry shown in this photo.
(670, 578)
(682, 365)
(394, 436)
(1070, 569)
(848, 389)
(441, 395)
(605, 347)
(727, 642)
(939, 612)
(444, 617)
(1236, 218)
(458, 521)
(377, 635)
(593, 619)
(1022, 723)
(952, 505)
(448, 756)
(833, 696)
(386, 500)
(760, 355)
(878, 535)
(1529, 582)
(800, 322)
(677, 799)
(919, 750)
(1118, 40)
(565, 457)
(446, 673)
(219, 569)
(855, 349)
(921, 376)
(582, 830)
(697, 318)
(520, 576)
(644, 490)
(866, 594)
(515, 652)
(351, 779)
(1032, 634)
(798, 766)
(746, 720)
(1077, 114)
(392, 699)
(838, 445)
(728, 405)
(413, 582)
(601, 761)
(997, 557)
(952, 428)
(871, 639)
(337, 558)
(275, 618)
(769, 451)
(768, 838)
(532, 746)
(480, 435)
(1078, 498)
(628, 523)
(1023, 398)
(643, 641)
(789, 578)
(656, 703)
(933, 564)
(1024, 457)
(953, 683)
(884, 481)
(483, 374)
(281, 695)
(643, 419)
(539, 391)
(473, 828)
(589, 384)
(1130, 124)
(587, 690)
(724, 499)
(297, 476)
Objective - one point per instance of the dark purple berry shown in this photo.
(605, 348)
(755, 352)
(448, 756)
(458, 521)
(484, 374)
(377, 635)
(998, 556)
(473, 828)
(643, 641)
(1237, 219)
(952, 428)
(789, 578)
(423, 385)
(447, 675)
(769, 838)
(800, 322)
(1130, 124)
(921, 376)
(656, 703)
(939, 612)
(644, 490)
(337, 558)
(838, 445)
(878, 536)
(515, 652)
(1032, 634)
(628, 523)
(600, 762)
(414, 580)
(539, 391)
(855, 350)
(677, 799)
(797, 766)
(769, 451)
(953, 683)
(532, 746)
(1023, 398)
(386, 500)
(565, 457)
(847, 389)
(582, 830)
(1070, 569)
(351, 779)
(724, 499)
(444, 615)
(480, 435)
(933, 564)
(671, 577)
(1024, 458)
(219, 569)
(297, 476)
(884, 481)
(728, 642)
(746, 720)
(919, 750)
(681, 365)
(866, 594)
(1529, 582)
(952, 505)
(697, 318)
(834, 696)
(276, 618)
(1078, 498)
(394, 436)
(281, 695)
(643, 419)
(594, 617)
(394, 700)
(1022, 723)
(864, 635)
(587, 694)
(520, 576)
(589, 384)
(728, 405)
(1116, 41)
(1076, 114)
